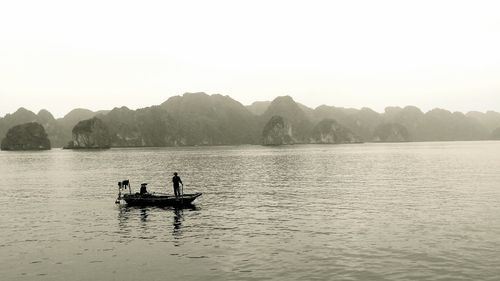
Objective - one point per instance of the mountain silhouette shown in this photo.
(202, 119)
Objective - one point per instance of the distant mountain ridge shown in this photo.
(202, 119)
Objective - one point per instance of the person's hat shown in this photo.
(175, 174)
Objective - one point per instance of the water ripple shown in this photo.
(415, 211)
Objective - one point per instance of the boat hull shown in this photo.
(160, 200)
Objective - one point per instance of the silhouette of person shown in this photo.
(143, 188)
(176, 180)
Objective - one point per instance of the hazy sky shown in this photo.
(60, 55)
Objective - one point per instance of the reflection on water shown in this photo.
(127, 216)
(178, 218)
(144, 215)
(413, 211)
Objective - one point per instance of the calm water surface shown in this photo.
(413, 211)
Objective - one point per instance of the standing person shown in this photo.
(176, 180)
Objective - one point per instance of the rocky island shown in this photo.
(91, 133)
(277, 131)
(27, 136)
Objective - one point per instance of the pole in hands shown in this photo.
(182, 193)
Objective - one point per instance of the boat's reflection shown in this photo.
(178, 218)
(144, 215)
(128, 214)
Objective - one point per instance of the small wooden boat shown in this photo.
(149, 199)
(144, 198)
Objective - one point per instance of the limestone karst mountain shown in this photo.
(58, 130)
(201, 119)
(258, 107)
(390, 132)
(288, 109)
(278, 131)
(91, 133)
(443, 125)
(495, 135)
(27, 136)
(329, 131)
(211, 119)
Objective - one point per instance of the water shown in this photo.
(412, 211)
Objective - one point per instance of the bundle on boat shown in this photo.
(144, 198)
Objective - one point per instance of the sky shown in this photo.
(60, 55)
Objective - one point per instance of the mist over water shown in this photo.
(406, 211)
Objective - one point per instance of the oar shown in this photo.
(182, 193)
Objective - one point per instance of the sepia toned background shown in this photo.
(60, 55)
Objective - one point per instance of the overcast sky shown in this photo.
(60, 55)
